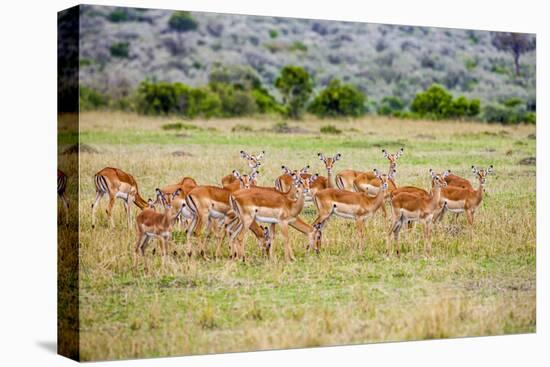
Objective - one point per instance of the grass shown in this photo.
(478, 283)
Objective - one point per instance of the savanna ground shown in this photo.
(477, 283)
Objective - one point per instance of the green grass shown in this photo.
(479, 282)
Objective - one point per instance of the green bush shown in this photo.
(330, 129)
(266, 103)
(338, 100)
(295, 85)
(241, 128)
(240, 77)
(176, 98)
(273, 33)
(119, 15)
(234, 102)
(515, 114)
(513, 102)
(91, 99)
(182, 21)
(298, 46)
(390, 106)
(437, 103)
(120, 49)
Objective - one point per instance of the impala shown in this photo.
(253, 162)
(152, 224)
(269, 207)
(467, 200)
(117, 184)
(284, 182)
(184, 186)
(416, 207)
(61, 187)
(350, 205)
(345, 179)
(233, 221)
(209, 204)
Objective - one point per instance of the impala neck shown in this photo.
(330, 178)
(436, 196)
(479, 192)
(298, 203)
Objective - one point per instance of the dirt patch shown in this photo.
(425, 137)
(82, 148)
(181, 153)
(528, 161)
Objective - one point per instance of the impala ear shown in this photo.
(490, 169)
(261, 155)
(399, 153)
(321, 156)
(337, 157)
(392, 174)
(304, 170)
(313, 177)
(244, 154)
(176, 193)
(150, 203)
(236, 174)
(285, 170)
(385, 153)
(432, 173)
(253, 175)
(474, 170)
(446, 173)
(376, 172)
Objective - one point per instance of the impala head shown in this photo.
(317, 235)
(303, 184)
(392, 157)
(329, 161)
(383, 179)
(246, 181)
(288, 171)
(253, 160)
(438, 179)
(151, 204)
(481, 174)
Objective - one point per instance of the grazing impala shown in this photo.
(151, 224)
(350, 205)
(345, 179)
(117, 184)
(411, 207)
(467, 200)
(253, 162)
(61, 187)
(178, 202)
(269, 207)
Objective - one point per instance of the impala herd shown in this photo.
(240, 205)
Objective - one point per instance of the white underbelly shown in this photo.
(455, 210)
(216, 214)
(186, 213)
(122, 195)
(271, 220)
(344, 215)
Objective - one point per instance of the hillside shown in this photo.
(120, 47)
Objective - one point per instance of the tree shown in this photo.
(182, 21)
(338, 100)
(295, 85)
(515, 43)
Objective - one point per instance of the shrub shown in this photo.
(330, 129)
(234, 102)
(120, 49)
(500, 113)
(91, 99)
(240, 77)
(241, 128)
(295, 85)
(119, 15)
(390, 106)
(273, 33)
(437, 103)
(182, 21)
(298, 46)
(165, 98)
(266, 103)
(513, 102)
(338, 100)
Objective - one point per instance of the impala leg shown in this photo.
(360, 226)
(288, 249)
(190, 231)
(428, 238)
(322, 219)
(138, 249)
(221, 236)
(109, 209)
(240, 245)
(204, 217)
(98, 197)
(470, 217)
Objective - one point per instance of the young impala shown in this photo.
(350, 205)
(345, 179)
(253, 161)
(269, 207)
(151, 224)
(61, 187)
(117, 184)
(411, 207)
(465, 200)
